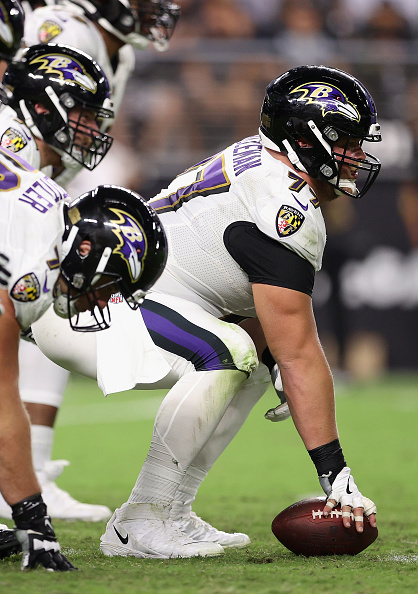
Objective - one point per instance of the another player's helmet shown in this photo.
(158, 19)
(12, 20)
(62, 79)
(321, 104)
(136, 22)
(128, 252)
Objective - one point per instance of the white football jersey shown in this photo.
(31, 228)
(16, 137)
(242, 183)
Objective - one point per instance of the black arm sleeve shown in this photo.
(266, 261)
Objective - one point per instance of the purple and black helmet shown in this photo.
(62, 79)
(321, 105)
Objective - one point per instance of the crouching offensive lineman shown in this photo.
(245, 236)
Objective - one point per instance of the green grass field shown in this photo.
(264, 470)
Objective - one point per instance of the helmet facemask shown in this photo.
(86, 278)
(66, 133)
(95, 317)
(323, 161)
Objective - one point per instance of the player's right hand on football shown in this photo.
(342, 490)
(37, 538)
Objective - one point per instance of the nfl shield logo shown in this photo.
(288, 221)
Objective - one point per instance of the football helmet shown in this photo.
(128, 252)
(62, 79)
(321, 105)
(158, 19)
(136, 22)
(12, 20)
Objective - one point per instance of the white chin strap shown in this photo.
(290, 153)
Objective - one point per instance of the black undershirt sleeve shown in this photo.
(266, 261)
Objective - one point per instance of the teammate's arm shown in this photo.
(15, 446)
(18, 482)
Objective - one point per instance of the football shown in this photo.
(303, 529)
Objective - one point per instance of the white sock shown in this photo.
(42, 438)
(187, 417)
(232, 421)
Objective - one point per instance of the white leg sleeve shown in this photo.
(187, 418)
(42, 439)
(233, 419)
(40, 380)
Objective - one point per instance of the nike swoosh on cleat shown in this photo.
(304, 206)
(124, 540)
(347, 489)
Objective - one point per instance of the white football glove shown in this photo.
(280, 412)
(345, 492)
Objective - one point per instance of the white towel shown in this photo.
(126, 354)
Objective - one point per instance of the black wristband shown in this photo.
(328, 458)
(28, 511)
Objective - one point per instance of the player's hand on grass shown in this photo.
(8, 542)
(37, 538)
(341, 489)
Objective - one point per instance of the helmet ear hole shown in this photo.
(309, 108)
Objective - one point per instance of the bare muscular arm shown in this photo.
(17, 477)
(288, 323)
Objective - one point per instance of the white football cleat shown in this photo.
(60, 504)
(144, 530)
(190, 524)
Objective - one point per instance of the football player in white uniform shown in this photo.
(108, 32)
(59, 100)
(73, 256)
(246, 236)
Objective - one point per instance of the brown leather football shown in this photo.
(302, 529)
